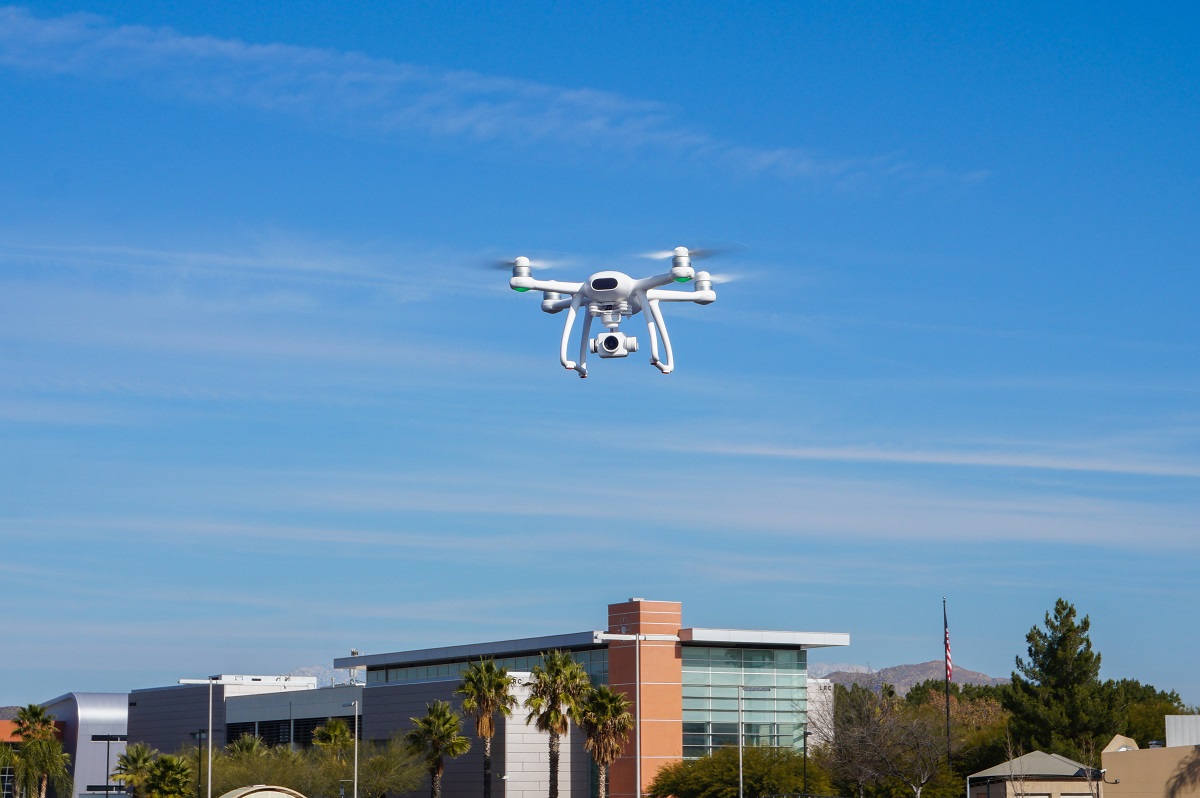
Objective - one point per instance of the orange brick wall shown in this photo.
(662, 691)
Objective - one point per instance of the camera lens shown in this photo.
(612, 343)
(604, 283)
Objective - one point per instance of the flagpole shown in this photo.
(949, 667)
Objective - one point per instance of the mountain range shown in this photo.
(903, 677)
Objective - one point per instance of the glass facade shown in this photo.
(594, 661)
(772, 684)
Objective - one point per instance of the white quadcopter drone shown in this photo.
(614, 296)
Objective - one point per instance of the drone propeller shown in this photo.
(506, 264)
(699, 253)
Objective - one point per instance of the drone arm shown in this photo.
(657, 281)
(576, 301)
(529, 284)
(658, 295)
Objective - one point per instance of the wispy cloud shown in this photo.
(980, 459)
(355, 91)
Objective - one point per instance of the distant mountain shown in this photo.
(326, 676)
(9, 713)
(903, 677)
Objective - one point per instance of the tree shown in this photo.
(1057, 701)
(334, 738)
(170, 777)
(34, 723)
(248, 745)
(606, 721)
(766, 771)
(390, 768)
(911, 745)
(559, 685)
(133, 768)
(488, 691)
(436, 736)
(38, 764)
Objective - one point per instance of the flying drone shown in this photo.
(612, 297)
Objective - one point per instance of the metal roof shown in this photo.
(1036, 765)
(580, 640)
(499, 648)
(764, 637)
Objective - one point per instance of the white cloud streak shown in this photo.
(979, 459)
(358, 92)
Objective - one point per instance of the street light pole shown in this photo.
(211, 680)
(108, 740)
(637, 688)
(354, 703)
(742, 689)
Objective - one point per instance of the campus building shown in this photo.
(690, 687)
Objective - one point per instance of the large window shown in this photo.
(771, 684)
(594, 661)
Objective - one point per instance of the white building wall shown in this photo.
(527, 756)
(1183, 730)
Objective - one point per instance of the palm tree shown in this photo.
(133, 768)
(170, 777)
(34, 723)
(249, 745)
(606, 721)
(38, 764)
(559, 685)
(486, 688)
(334, 738)
(436, 736)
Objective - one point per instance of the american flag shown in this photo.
(946, 625)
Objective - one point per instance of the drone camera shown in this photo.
(613, 344)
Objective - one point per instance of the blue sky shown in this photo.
(258, 405)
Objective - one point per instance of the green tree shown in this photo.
(133, 768)
(170, 777)
(34, 723)
(437, 735)
(488, 691)
(559, 685)
(1144, 709)
(248, 745)
(1057, 701)
(334, 738)
(40, 763)
(766, 771)
(606, 721)
(389, 768)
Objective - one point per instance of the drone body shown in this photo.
(612, 297)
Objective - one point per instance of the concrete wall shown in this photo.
(1037, 788)
(83, 715)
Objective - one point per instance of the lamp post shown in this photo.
(354, 704)
(108, 740)
(806, 735)
(210, 681)
(201, 736)
(637, 687)
(744, 689)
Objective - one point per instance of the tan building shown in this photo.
(1037, 775)
(1161, 772)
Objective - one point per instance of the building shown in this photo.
(1170, 771)
(690, 687)
(175, 717)
(94, 727)
(1037, 775)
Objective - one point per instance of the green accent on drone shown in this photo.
(682, 279)
(518, 288)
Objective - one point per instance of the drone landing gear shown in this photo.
(654, 321)
(571, 365)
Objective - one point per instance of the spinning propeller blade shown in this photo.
(699, 253)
